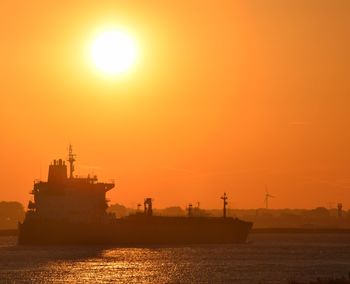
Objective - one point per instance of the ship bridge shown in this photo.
(63, 197)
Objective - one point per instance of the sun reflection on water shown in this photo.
(268, 259)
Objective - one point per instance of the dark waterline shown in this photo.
(266, 258)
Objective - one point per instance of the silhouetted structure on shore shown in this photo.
(340, 210)
(267, 197)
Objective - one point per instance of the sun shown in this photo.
(114, 52)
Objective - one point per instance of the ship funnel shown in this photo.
(57, 172)
(148, 207)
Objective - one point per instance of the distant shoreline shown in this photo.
(14, 232)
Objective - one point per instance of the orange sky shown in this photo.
(226, 96)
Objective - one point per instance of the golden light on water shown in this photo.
(114, 52)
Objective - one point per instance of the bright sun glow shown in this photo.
(114, 52)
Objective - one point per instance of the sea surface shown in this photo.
(265, 258)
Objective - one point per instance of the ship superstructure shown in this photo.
(69, 198)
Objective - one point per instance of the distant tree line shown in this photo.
(10, 214)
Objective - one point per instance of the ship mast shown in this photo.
(71, 160)
(224, 198)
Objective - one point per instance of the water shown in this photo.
(266, 258)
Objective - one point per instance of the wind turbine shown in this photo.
(267, 197)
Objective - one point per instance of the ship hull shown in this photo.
(136, 231)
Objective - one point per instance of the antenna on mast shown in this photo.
(267, 196)
(71, 160)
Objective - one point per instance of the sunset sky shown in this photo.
(223, 96)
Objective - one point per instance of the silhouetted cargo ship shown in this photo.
(72, 210)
